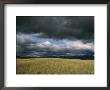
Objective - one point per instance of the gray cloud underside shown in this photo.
(58, 27)
(35, 44)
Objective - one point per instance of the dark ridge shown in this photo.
(84, 57)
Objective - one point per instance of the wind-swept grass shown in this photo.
(54, 66)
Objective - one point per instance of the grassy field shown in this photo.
(54, 66)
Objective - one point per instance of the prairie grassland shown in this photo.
(54, 66)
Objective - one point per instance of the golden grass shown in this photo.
(54, 66)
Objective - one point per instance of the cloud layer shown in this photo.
(57, 35)
(36, 43)
(59, 27)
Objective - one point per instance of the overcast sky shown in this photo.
(40, 35)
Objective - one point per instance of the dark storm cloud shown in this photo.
(54, 35)
(58, 27)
